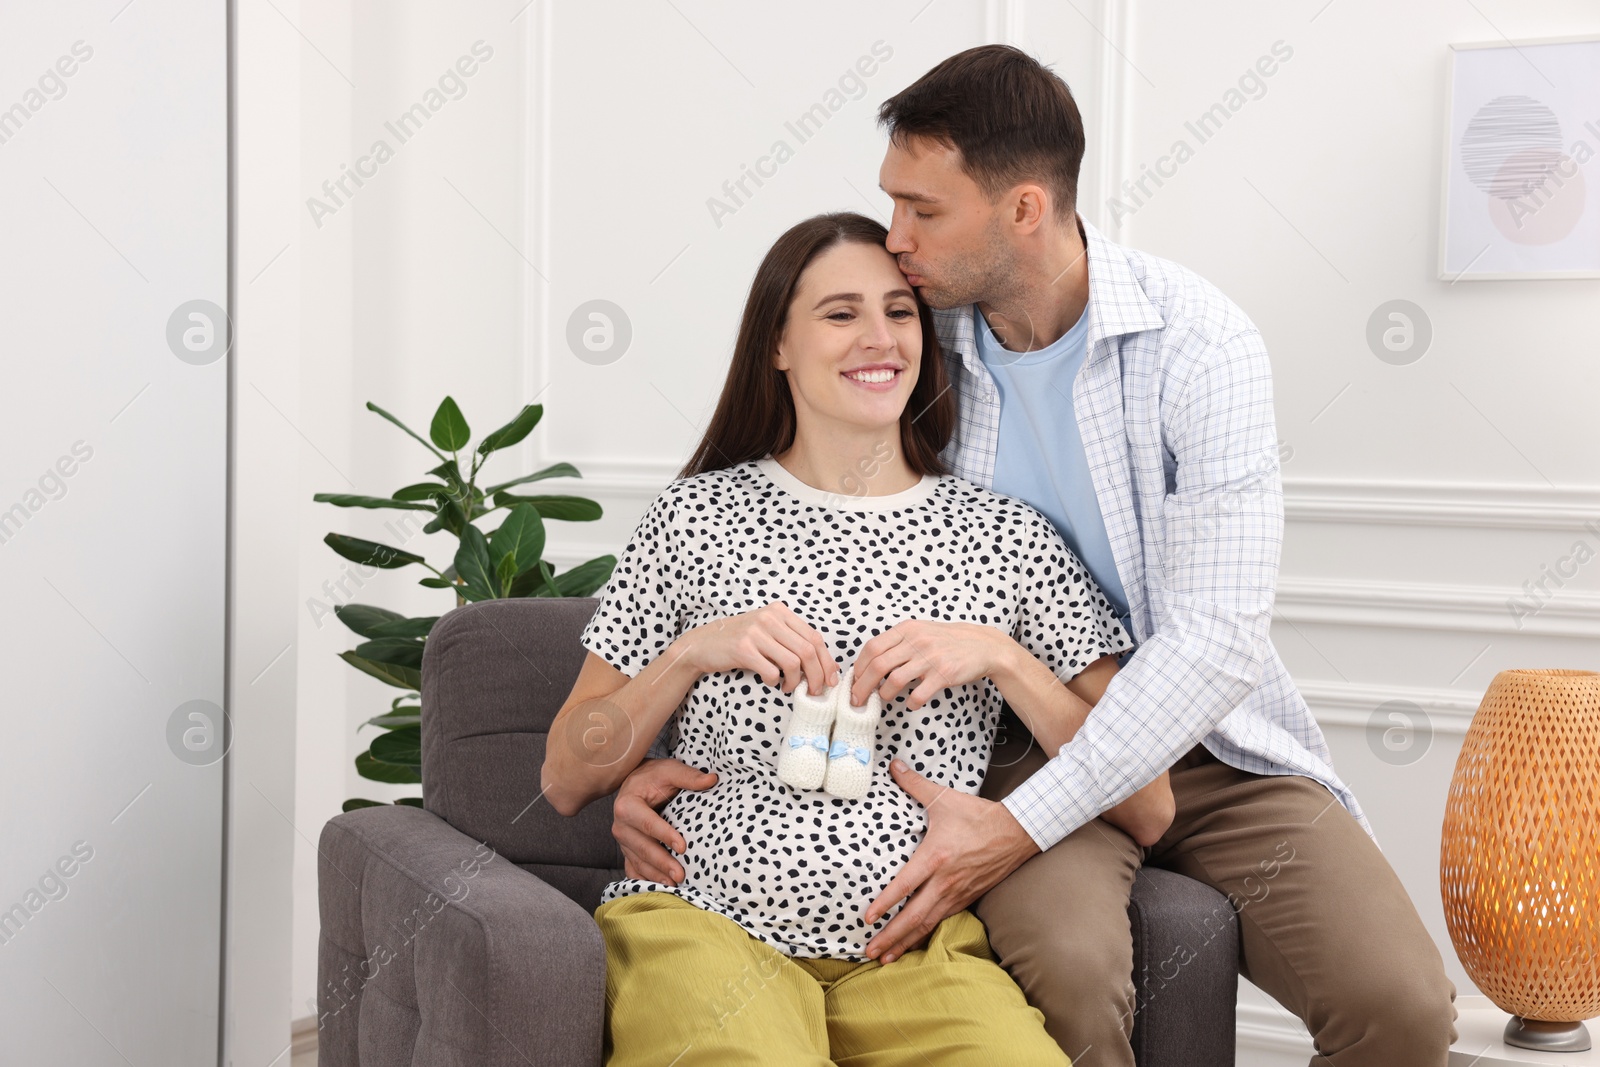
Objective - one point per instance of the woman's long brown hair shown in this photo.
(755, 415)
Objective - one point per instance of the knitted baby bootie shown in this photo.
(803, 753)
(855, 733)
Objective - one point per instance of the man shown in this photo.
(1130, 402)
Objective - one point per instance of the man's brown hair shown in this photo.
(1011, 118)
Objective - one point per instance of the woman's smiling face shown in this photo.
(852, 341)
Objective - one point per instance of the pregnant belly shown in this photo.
(800, 865)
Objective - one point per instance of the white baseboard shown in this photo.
(302, 1036)
(1267, 1029)
(1260, 1028)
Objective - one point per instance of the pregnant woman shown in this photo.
(814, 537)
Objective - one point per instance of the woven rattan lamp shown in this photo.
(1519, 863)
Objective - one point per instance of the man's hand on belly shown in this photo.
(970, 846)
(637, 823)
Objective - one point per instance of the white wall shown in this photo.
(113, 491)
(578, 168)
(265, 830)
(1419, 497)
(408, 294)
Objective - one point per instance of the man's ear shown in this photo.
(1032, 206)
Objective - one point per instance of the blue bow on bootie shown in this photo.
(844, 748)
(819, 743)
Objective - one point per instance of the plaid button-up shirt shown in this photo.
(1174, 404)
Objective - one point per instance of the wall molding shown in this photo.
(1449, 711)
(538, 64)
(1003, 21)
(624, 477)
(1486, 505)
(1416, 606)
(1363, 602)
(1115, 77)
(1483, 505)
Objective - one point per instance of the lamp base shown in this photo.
(1547, 1037)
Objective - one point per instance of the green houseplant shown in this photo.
(506, 562)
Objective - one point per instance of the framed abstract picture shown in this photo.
(1521, 182)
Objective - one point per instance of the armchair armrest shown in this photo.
(435, 950)
(1185, 971)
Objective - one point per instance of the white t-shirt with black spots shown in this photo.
(798, 868)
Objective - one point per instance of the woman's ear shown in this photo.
(779, 360)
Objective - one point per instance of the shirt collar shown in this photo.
(1117, 302)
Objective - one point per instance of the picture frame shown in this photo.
(1520, 196)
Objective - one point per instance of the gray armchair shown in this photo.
(463, 935)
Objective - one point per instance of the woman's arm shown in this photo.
(607, 724)
(1054, 712)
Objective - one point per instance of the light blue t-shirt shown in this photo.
(1040, 457)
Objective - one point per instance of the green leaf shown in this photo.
(392, 652)
(449, 430)
(451, 517)
(398, 627)
(402, 746)
(422, 491)
(566, 508)
(513, 431)
(449, 473)
(395, 675)
(581, 580)
(520, 536)
(357, 802)
(355, 500)
(379, 771)
(453, 504)
(504, 572)
(373, 407)
(363, 618)
(391, 720)
(370, 553)
(555, 470)
(585, 578)
(412, 802)
(435, 583)
(548, 573)
(473, 563)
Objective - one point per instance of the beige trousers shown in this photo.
(1326, 927)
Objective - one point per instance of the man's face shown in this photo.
(946, 234)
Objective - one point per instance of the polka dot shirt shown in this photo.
(797, 868)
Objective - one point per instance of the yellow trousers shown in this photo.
(690, 988)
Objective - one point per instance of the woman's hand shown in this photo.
(772, 641)
(940, 654)
(637, 823)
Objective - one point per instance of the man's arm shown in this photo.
(1054, 713)
(1224, 535)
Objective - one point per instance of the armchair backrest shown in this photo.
(494, 674)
